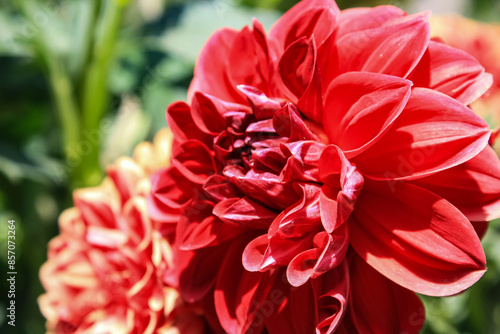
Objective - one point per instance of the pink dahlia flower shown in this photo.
(104, 271)
(325, 171)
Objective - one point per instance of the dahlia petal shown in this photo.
(361, 107)
(98, 205)
(291, 315)
(416, 239)
(359, 19)
(294, 170)
(264, 126)
(181, 123)
(264, 252)
(297, 66)
(170, 190)
(269, 160)
(337, 205)
(434, 132)
(105, 237)
(138, 227)
(261, 134)
(189, 264)
(314, 22)
(329, 206)
(288, 123)
(311, 101)
(306, 18)
(126, 175)
(259, 33)
(452, 72)
(282, 249)
(248, 60)
(210, 74)
(332, 301)
(301, 216)
(223, 146)
(303, 161)
(206, 115)
(397, 310)
(262, 106)
(254, 253)
(263, 187)
(239, 294)
(194, 161)
(220, 188)
(198, 228)
(329, 250)
(473, 187)
(343, 183)
(394, 48)
(244, 211)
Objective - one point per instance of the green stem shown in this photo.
(62, 88)
(95, 95)
(87, 41)
(66, 107)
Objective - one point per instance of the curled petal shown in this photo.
(262, 106)
(206, 114)
(181, 123)
(219, 188)
(307, 18)
(170, 191)
(297, 66)
(343, 183)
(300, 216)
(333, 299)
(311, 101)
(329, 250)
(198, 228)
(269, 159)
(244, 211)
(288, 123)
(300, 73)
(194, 161)
(264, 253)
(263, 187)
(248, 61)
(303, 161)
(360, 108)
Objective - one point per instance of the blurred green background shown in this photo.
(83, 81)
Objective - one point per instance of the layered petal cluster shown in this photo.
(332, 162)
(481, 41)
(104, 271)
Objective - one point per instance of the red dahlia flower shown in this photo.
(333, 163)
(104, 271)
